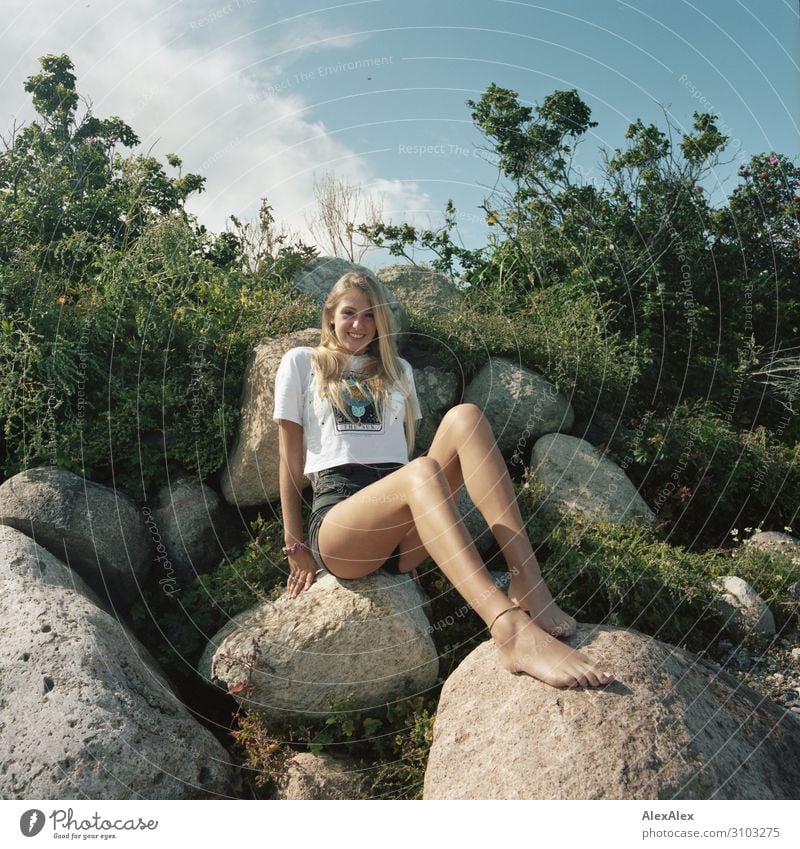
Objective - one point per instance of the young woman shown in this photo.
(346, 413)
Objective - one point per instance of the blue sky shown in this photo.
(265, 97)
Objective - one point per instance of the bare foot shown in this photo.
(528, 590)
(525, 647)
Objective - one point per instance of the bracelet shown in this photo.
(294, 547)
(503, 613)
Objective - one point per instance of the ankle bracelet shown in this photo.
(502, 613)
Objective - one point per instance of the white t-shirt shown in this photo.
(329, 438)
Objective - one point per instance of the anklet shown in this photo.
(502, 613)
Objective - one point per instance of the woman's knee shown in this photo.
(424, 469)
(464, 417)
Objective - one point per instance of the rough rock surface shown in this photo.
(21, 556)
(321, 777)
(86, 712)
(363, 642)
(437, 391)
(672, 727)
(519, 404)
(251, 476)
(316, 278)
(420, 289)
(579, 479)
(97, 531)
(746, 612)
(776, 542)
(195, 527)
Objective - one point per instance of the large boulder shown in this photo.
(745, 612)
(422, 290)
(578, 478)
(519, 404)
(195, 528)
(672, 727)
(251, 476)
(96, 530)
(356, 643)
(437, 392)
(21, 556)
(775, 542)
(316, 279)
(318, 777)
(86, 712)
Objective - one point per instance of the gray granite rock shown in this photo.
(775, 542)
(673, 726)
(363, 643)
(21, 556)
(98, 532)
(578, 479)
(519, 404)
(251, 475)
(746, 613)
(421, 289)
(87, 714)
(194, 526)
(319, 777)
(437, 391)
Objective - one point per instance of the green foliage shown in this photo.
(624, 575)
(697, 291)
(703, 478)
(449, 256)
(563, 334)
(66, 192)
(141, 370)
(389, 744)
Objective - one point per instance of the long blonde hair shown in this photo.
(386, 372)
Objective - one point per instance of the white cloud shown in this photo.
(190, 81)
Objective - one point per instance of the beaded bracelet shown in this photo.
(294, 547)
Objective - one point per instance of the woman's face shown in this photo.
(354, 322)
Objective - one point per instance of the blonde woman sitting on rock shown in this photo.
(346, 412)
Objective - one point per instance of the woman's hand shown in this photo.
(302, 571)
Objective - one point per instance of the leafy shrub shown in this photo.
(141, 370)
(563, 335)
(703, 478)
(623, 575)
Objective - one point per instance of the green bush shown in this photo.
(703, 478)
(140, 371)
(563, 335)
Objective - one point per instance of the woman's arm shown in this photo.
(302, 566)
(290, 476)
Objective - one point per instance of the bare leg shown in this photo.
(465, 447)
(358, 534)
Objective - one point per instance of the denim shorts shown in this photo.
(337, 484)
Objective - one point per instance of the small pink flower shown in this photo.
(773, 160)
(698, 188)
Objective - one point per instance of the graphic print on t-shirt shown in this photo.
(362, 409)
